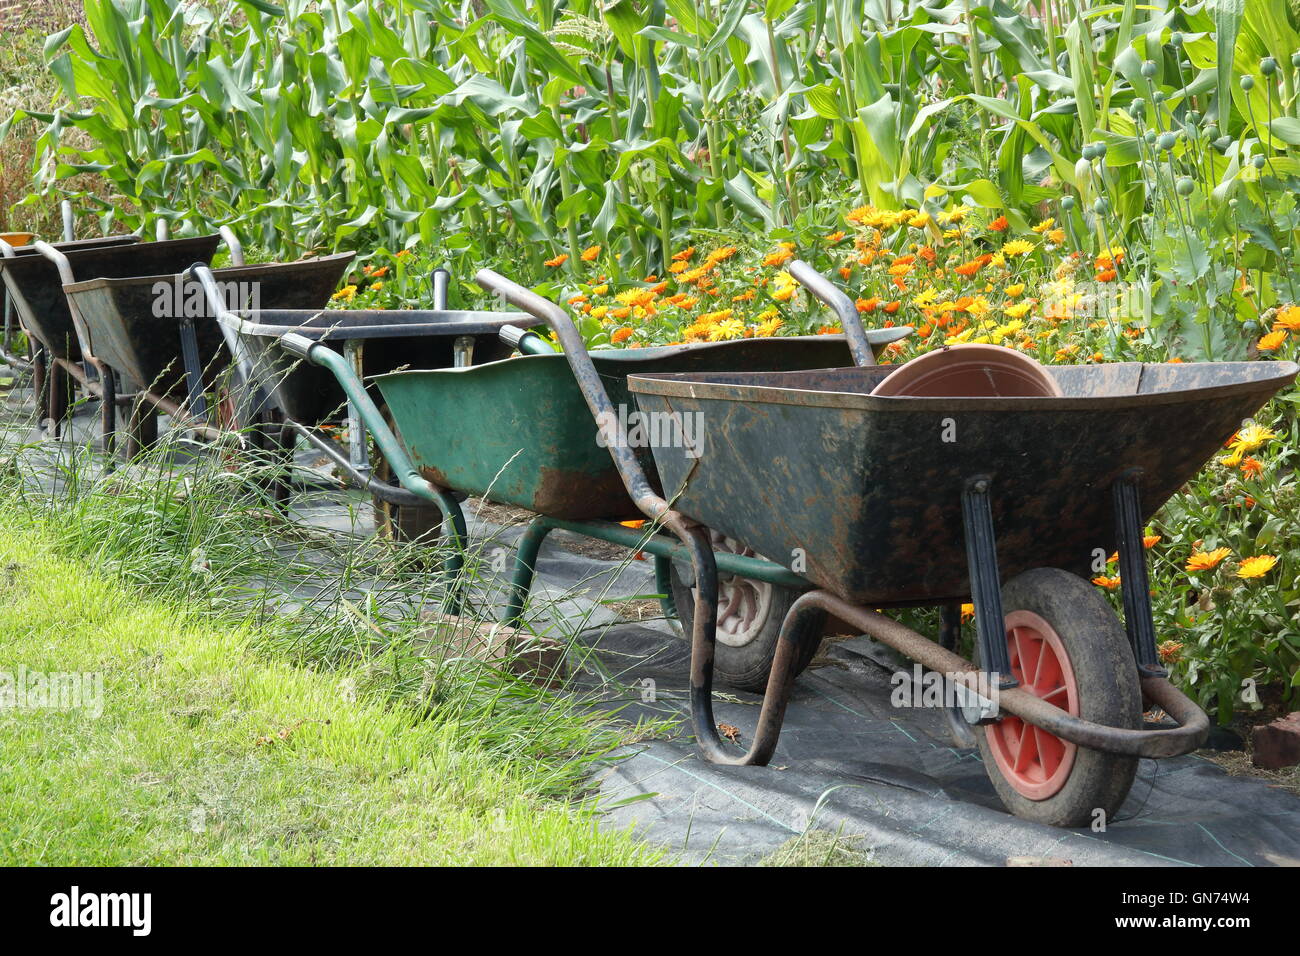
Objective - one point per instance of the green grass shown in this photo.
(209, 751)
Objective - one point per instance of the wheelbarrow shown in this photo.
(512, 432)
(40, 297)
(883, 502)
(285, 399)
(36, 284)
(159, 335)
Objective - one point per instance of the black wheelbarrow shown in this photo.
(160, 336)
(517, 432)
(36, 284)
(886, 502)
(38, 298)
(283, 399)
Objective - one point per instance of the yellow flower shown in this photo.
(599, 311)
(979, 306)
(1045, 225)
(1015, 291)
(636, 297)
(727, 329)
(347, 293)
(713, 318)
(953, 216)
(1252, 437)
(769, 327)
(600, 290)
(1018, 311)
(1017, 247)
(925, 299)
(919, 221)
(1205, 560)
(1257, 566)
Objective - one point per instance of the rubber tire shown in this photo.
(1108, 689)
(748, 667)
(401, 524)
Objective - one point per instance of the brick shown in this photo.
(1277, 744)
(537, 659)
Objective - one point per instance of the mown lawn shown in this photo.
(209, 753)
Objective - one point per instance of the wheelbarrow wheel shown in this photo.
(1066, 645)
(750, 615)
(403, 524)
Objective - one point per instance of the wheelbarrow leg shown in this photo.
(521, 579)
(141, 429)
(1134, 583)
(107, 410)
(40, 360)
(985, 583)
(703, 645)
(58, 389)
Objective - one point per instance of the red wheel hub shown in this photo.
(1034, 762)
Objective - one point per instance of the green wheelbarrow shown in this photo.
(518, 432)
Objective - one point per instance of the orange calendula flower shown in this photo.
(559, 260)
(684, 255)
(590, 253)
(778, 257)
(845, 272)
(1107, 275)
(1150, 541)
(867, 305)
(893, 307)
(999, 224)
(835, 236)
(1170, 651)
(1110, 584)
(1272, 341)
(637, 523)
(721, 254)
(1252, 467)
(1206, 560)
(1256, 567)
(1288, 317)
(621, 335)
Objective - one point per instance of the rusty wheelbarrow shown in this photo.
(882, 502)
(517, 432)
(159, 333)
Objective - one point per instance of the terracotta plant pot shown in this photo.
(970, 371)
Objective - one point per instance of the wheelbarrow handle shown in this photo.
(588, 379)
(67, 277)
(859, 339)
(317, 353)
(233, 244)
(524, 341)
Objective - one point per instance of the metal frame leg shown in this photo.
(107, 410)
(1135, 585)
(985, 582)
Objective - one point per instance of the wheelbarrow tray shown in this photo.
(124, 331)
(863, 495)
(390, 339)
(519, 431)
(37, 290)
